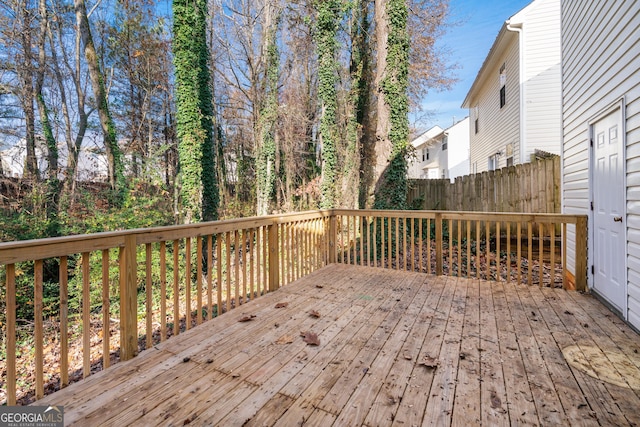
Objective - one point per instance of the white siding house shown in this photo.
(458, 152)
(601, 143)
(515, 102)
(441, 153)
(92, 161)
(425, 165)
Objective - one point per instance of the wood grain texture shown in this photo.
(397, 348)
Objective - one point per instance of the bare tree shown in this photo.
(114, 155)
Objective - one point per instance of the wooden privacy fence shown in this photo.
(529, 187)
(110, 295)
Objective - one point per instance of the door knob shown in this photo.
(617, 219)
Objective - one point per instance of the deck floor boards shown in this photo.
(396, 348)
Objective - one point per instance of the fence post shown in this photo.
(581, 253)
(128, 299)
(438, 244)
(274, 257)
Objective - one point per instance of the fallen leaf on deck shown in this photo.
(285, 339)
(495, 400)
(408, 357)
(319, 286)
(314, 313)
(247, 318)
(282, 304)
(429, 362)
(310, 338)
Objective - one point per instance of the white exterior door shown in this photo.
(609, 218)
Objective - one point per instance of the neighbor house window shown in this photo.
(445, 142)
(491, 163)
(503, 85)
(509, 152)
(476, 114)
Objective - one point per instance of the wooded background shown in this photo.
(228, 107)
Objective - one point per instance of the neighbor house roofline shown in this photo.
(502, 40)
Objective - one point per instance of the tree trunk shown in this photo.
(382, 147)
(392, 131)
(53, 182)
(25, 71)
(266, 147)
(198, 171)
(114, 155)
(326, 33)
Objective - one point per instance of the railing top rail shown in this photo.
(465, 215)
(12, 252)
(26, 250)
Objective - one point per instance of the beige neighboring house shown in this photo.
(601, 144)
(515, 102)
(441, 153)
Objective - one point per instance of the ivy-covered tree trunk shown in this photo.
(114, 154)
(53, 182)
(392, 133)
(199, 185)
(358, 103)
(266, 147)
(326, 34)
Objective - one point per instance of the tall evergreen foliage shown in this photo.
(199, 189)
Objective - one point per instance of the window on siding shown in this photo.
(509, 151)
(445, 142)
(476, 125)
(491, 163)
(503, 85)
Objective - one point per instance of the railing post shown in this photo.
(581, 253)
(333, 237)
(438, 244)
(11, 333)
(274, 257)
(128, 299)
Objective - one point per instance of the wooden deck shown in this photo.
(396, 348)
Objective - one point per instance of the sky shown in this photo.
(468, 41)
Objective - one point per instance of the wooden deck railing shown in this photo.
(74, 305)
(524, 248)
